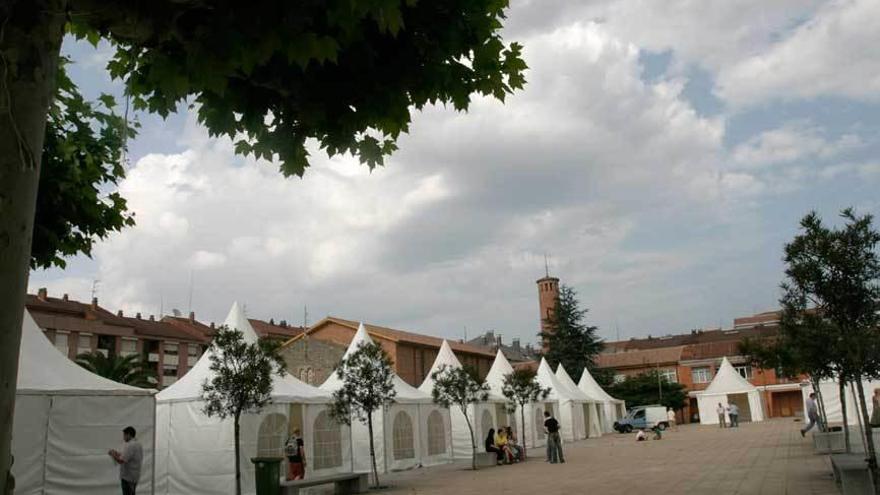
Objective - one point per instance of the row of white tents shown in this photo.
(66, 419)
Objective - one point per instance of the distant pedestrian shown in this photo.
(733, 412)
(554, 443)
(296, 456)
(129, 460)
(722, 420)
(641, 436)
(671, 419)
(812, 415)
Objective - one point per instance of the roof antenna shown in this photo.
(190, 290)
(546, 266)
(95, 283)
(305, 316)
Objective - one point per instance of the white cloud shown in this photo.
(866, 170)
(793, 141)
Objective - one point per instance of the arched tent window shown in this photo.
(327, 444)
(539, 422)
(436, 434)
(271, 437)
(402, 434)
(486, 422)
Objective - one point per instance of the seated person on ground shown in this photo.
(641, 436)
(491, 447)
(502, 443)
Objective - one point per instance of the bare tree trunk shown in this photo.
(869, 439)
(841, 383)
(525, 438)
(30, 43)
(822, 414)
(473, 441)
(237, 455)
(372, 450)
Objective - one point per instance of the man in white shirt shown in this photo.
(670, 418)
(129, 460)
(813, 415)
(733, 412)
(722, 418)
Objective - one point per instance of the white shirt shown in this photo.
(670, 415)
(720, 410)
(132, 457)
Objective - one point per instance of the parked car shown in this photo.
(643, 417)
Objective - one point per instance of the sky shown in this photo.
(660, 156)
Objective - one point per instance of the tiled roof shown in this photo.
(73, 308)
(639, 357)
(397, 336)
(164, 329)
(190, 325)
(694, 338)
(270, 328)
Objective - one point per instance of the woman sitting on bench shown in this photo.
(491, 447)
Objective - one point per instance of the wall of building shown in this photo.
(312, 360)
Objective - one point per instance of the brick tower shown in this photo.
(548, 293)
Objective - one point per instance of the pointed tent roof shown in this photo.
(43, 369)
(728, 381)
(546, 378)
(589, 386)
(568, 383)
(284, 388)
(444, 357)
(495, 378)
(405, 391)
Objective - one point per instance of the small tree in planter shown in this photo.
(522, 388)
(242, 381)
(460, 387)
(367, 386)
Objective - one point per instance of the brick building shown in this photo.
(313, 355)
(515, 352)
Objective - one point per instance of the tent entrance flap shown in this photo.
(741, 401)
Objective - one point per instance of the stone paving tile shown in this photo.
(756, 459)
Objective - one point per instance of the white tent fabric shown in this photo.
(495, 379)
(728, 382)
(482, 416)
(569, 411)
(831, 399)
(613, 409)
(591, 410)
(196, 454)
(409, 414)
(66, 419)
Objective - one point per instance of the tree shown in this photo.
(242, 380)
(367, 386)
(130, 370)
(521, 388)
(460, 387)
(571, 342)
(833, 288)
(650, 388)
(269, 74)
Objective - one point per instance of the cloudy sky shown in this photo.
(661, 154)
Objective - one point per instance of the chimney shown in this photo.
(192, 316)
(152, 318)
(212, 324)
(42, 294)
(64, 297)
(498, 341)
(515, 345)
(94, 303)
(283, 323)
(138, 316)
(271, 321)
(119, 313)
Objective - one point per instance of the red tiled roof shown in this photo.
(271, 329)
(164, 329)
(639, 357)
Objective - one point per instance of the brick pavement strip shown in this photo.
(757, 458)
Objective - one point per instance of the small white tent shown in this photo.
(495, 379)
(591, 410)
(831, 399)
(728, 387)
(66, 419)
(196, 453)
(613, 409)
(401, 434)
(482, 416)
(570, 412)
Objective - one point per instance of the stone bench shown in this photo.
(851, 474)
(344, 483)
(486, 459)
(829, 442)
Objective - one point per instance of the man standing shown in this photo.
(671, 419)
(129, 461)
(722, 421)
(733, 411)
(554, 443)
(813, 415)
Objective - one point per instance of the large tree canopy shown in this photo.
(571, 342)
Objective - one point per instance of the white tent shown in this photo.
(569, 410)
(591, 410)
(482, 416)
(831, 399)
(534, 435)
(401, 434)
(196, 454)
(728, 387)
(66, 419)
(613, 409)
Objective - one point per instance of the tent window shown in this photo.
(539, 422)
(436, 434)
(486, 422)
(327, 448)
(403, 437)
(270, 438)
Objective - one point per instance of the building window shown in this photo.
(539, 422)
(744, 371)
(271, 436)
(169, 375)
(170, 349)
(402, 434)
(62, 342)
(84, 344)
(128, 347)
(669, 375)
(106, 345)
(192, 350)
(701, 375)
(327, 448)
(619, 378)
(436, 434)
(310, 377)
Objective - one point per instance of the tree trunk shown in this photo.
(30, 43)
(822, 414)
(841, 383)
(869, 439)
(473, 441)
(522, 414)
(372, 450)
(237, 455)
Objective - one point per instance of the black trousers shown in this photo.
(128, 487)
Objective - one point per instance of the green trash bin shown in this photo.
(267, 475)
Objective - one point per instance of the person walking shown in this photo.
(671, 419)
(554, 443)
(296, 456)
(733, 412)
(129, 460)
(813, 415)
(722, 421)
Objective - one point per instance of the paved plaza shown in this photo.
(760, 458)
